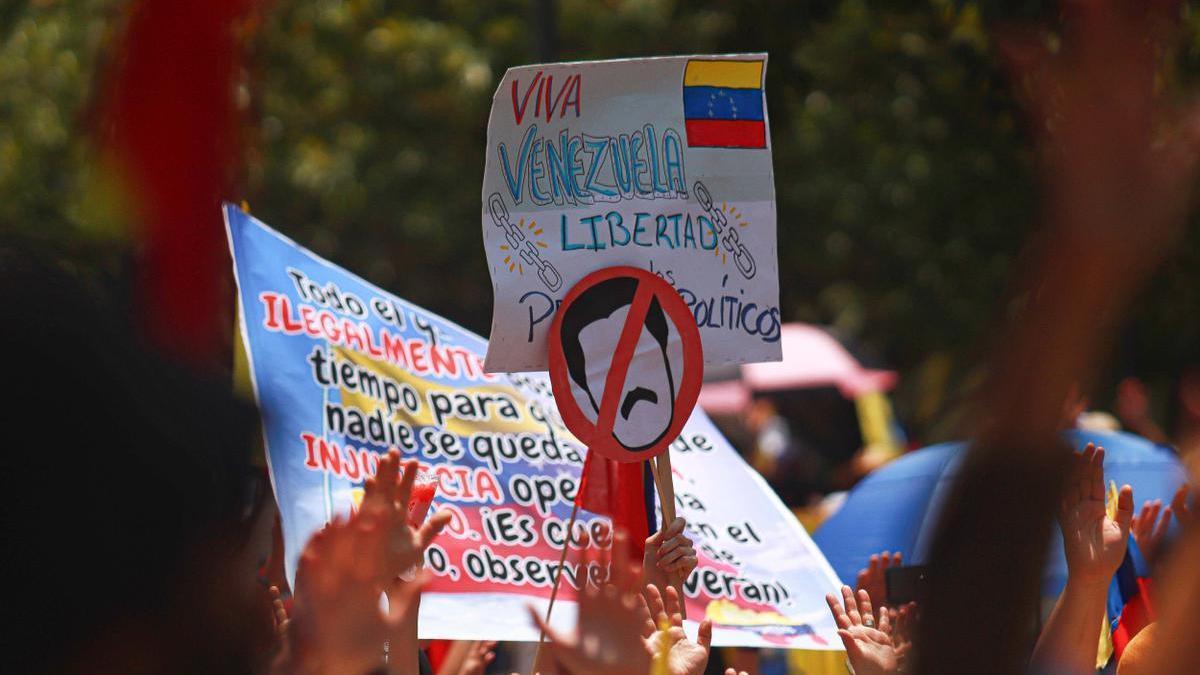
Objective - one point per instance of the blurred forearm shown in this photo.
(1071, 636)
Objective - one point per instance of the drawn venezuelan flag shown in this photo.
(723, 104)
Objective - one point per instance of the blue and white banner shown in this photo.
(343, 371)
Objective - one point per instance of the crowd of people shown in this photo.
(141, 536)
(146, 548)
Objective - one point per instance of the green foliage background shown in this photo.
(903, 170)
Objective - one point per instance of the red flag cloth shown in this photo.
(618, 490)
(1129, 599)
(1137, 613)
(170, 122)
(436, 652)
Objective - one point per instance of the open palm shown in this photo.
(870, 650)
(684, 657)
(385, 500)
(1094, 543)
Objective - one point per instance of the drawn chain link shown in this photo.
(729, 235)
(522, 246)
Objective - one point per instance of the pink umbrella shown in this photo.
(727, 397)
(811, 358)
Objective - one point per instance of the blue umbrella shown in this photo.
(895, 508)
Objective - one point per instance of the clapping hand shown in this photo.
(607, 637)
(385, 500)
(1149, 529)
(479, 654)
(282, 658)
(1094, 543)
(869, 648)
(621, 631)
(1185, 513)
(873, 579)
(338, 626)
(664, 609)
(1151, 524)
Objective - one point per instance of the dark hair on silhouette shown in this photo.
(596, 303)
(121, 475)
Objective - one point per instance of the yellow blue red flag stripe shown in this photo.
(723, 104)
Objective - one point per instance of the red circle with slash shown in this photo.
(599, 435)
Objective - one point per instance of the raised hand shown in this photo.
(670, 556)
(904, 627)
(1094, 543)
(385, 499)
(279, 615)
(478, 655)
(1186, 514)
(869, 648)
(664, 608)
(873, 579)
(337, 625)
(1149, 529)
(282, 658)
(607, 638)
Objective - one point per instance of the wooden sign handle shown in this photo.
(562, 559)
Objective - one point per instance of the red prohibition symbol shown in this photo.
(626, 363)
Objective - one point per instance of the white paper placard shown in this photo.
(659, 163)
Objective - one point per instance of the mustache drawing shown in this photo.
(635, 395)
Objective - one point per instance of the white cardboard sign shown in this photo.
(659, 163)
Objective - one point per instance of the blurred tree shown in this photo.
(903, 173)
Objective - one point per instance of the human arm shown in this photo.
(404, 604)
(1094, 545)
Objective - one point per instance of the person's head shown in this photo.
(591, 329)
(1074, 404)
(125, 489)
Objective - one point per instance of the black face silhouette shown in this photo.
(591, 328)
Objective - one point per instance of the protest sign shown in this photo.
(626, 363)
(662, 164)
(343, 370)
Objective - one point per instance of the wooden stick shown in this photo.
(562, 559)
(664, 480)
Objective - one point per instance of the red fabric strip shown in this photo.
(614, 489)
(726, 133)
(170, 120)
(1137, 613)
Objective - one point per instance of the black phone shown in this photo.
(905, 584)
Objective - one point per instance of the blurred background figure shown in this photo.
(906, 173)
(1180, 413)
(812, 424)
(134, 523)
